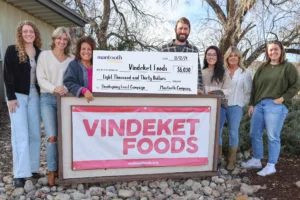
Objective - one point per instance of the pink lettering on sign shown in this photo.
(146, 127)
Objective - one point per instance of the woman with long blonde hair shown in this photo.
(50, 69)
(22, 94)
(241, 82)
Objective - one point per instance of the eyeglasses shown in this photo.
(211, 54)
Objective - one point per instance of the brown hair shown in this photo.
(282, 55)
(184, 21)
(87, 39)
(20, 44)
(235, 50)
(56, 34)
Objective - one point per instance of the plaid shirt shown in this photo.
(172, 47)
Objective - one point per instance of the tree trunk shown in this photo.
(102, 34)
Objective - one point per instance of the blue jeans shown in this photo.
(271, 116)
(49, 117)
(233, 115)
(26, 134)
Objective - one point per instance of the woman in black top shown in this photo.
(23, 101)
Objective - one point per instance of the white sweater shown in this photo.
(241, 85)
(50, 71)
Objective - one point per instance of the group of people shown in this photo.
(33, 78)
(274, 84)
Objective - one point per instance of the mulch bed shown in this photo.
(281, 185)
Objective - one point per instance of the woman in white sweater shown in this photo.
(241, 83)
(50, 69)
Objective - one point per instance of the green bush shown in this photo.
(290, 134)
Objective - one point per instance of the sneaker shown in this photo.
(253, 163)
(19, 182)
(267, 170)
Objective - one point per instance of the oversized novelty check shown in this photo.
(145, 72)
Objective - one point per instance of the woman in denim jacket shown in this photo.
(78, 77)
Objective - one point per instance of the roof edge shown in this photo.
(64, 11)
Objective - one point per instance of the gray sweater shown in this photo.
(76, 77)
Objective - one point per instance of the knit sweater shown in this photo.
(275, 81)
(225, 85)
(50, 71)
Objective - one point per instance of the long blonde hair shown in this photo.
(20, 43)
(56, 34)
(235, 50)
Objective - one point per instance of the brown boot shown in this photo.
(220, 156)
(51, 178)
(231, 158)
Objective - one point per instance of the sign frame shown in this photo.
(65, 173)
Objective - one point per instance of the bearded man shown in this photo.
(181, 44)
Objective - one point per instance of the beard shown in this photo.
(180, 39)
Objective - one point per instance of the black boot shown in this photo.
(19, 182)
(36, 175)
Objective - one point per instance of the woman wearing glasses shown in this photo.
(216, 80)
(241, 82)
(275, 82)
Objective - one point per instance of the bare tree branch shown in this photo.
(122, 16)
(255, 54)
(294, 51)
(278, 3)
(218, 11)
(246, 30)
(134, 40)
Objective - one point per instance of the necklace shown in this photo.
(273, 64)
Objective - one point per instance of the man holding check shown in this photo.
(180, 44)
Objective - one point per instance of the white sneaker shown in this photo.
(253, 163)
(267, 170)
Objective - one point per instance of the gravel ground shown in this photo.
(240, 184)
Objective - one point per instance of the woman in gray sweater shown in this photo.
(216, 80)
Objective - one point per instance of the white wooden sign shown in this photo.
(128, 137)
